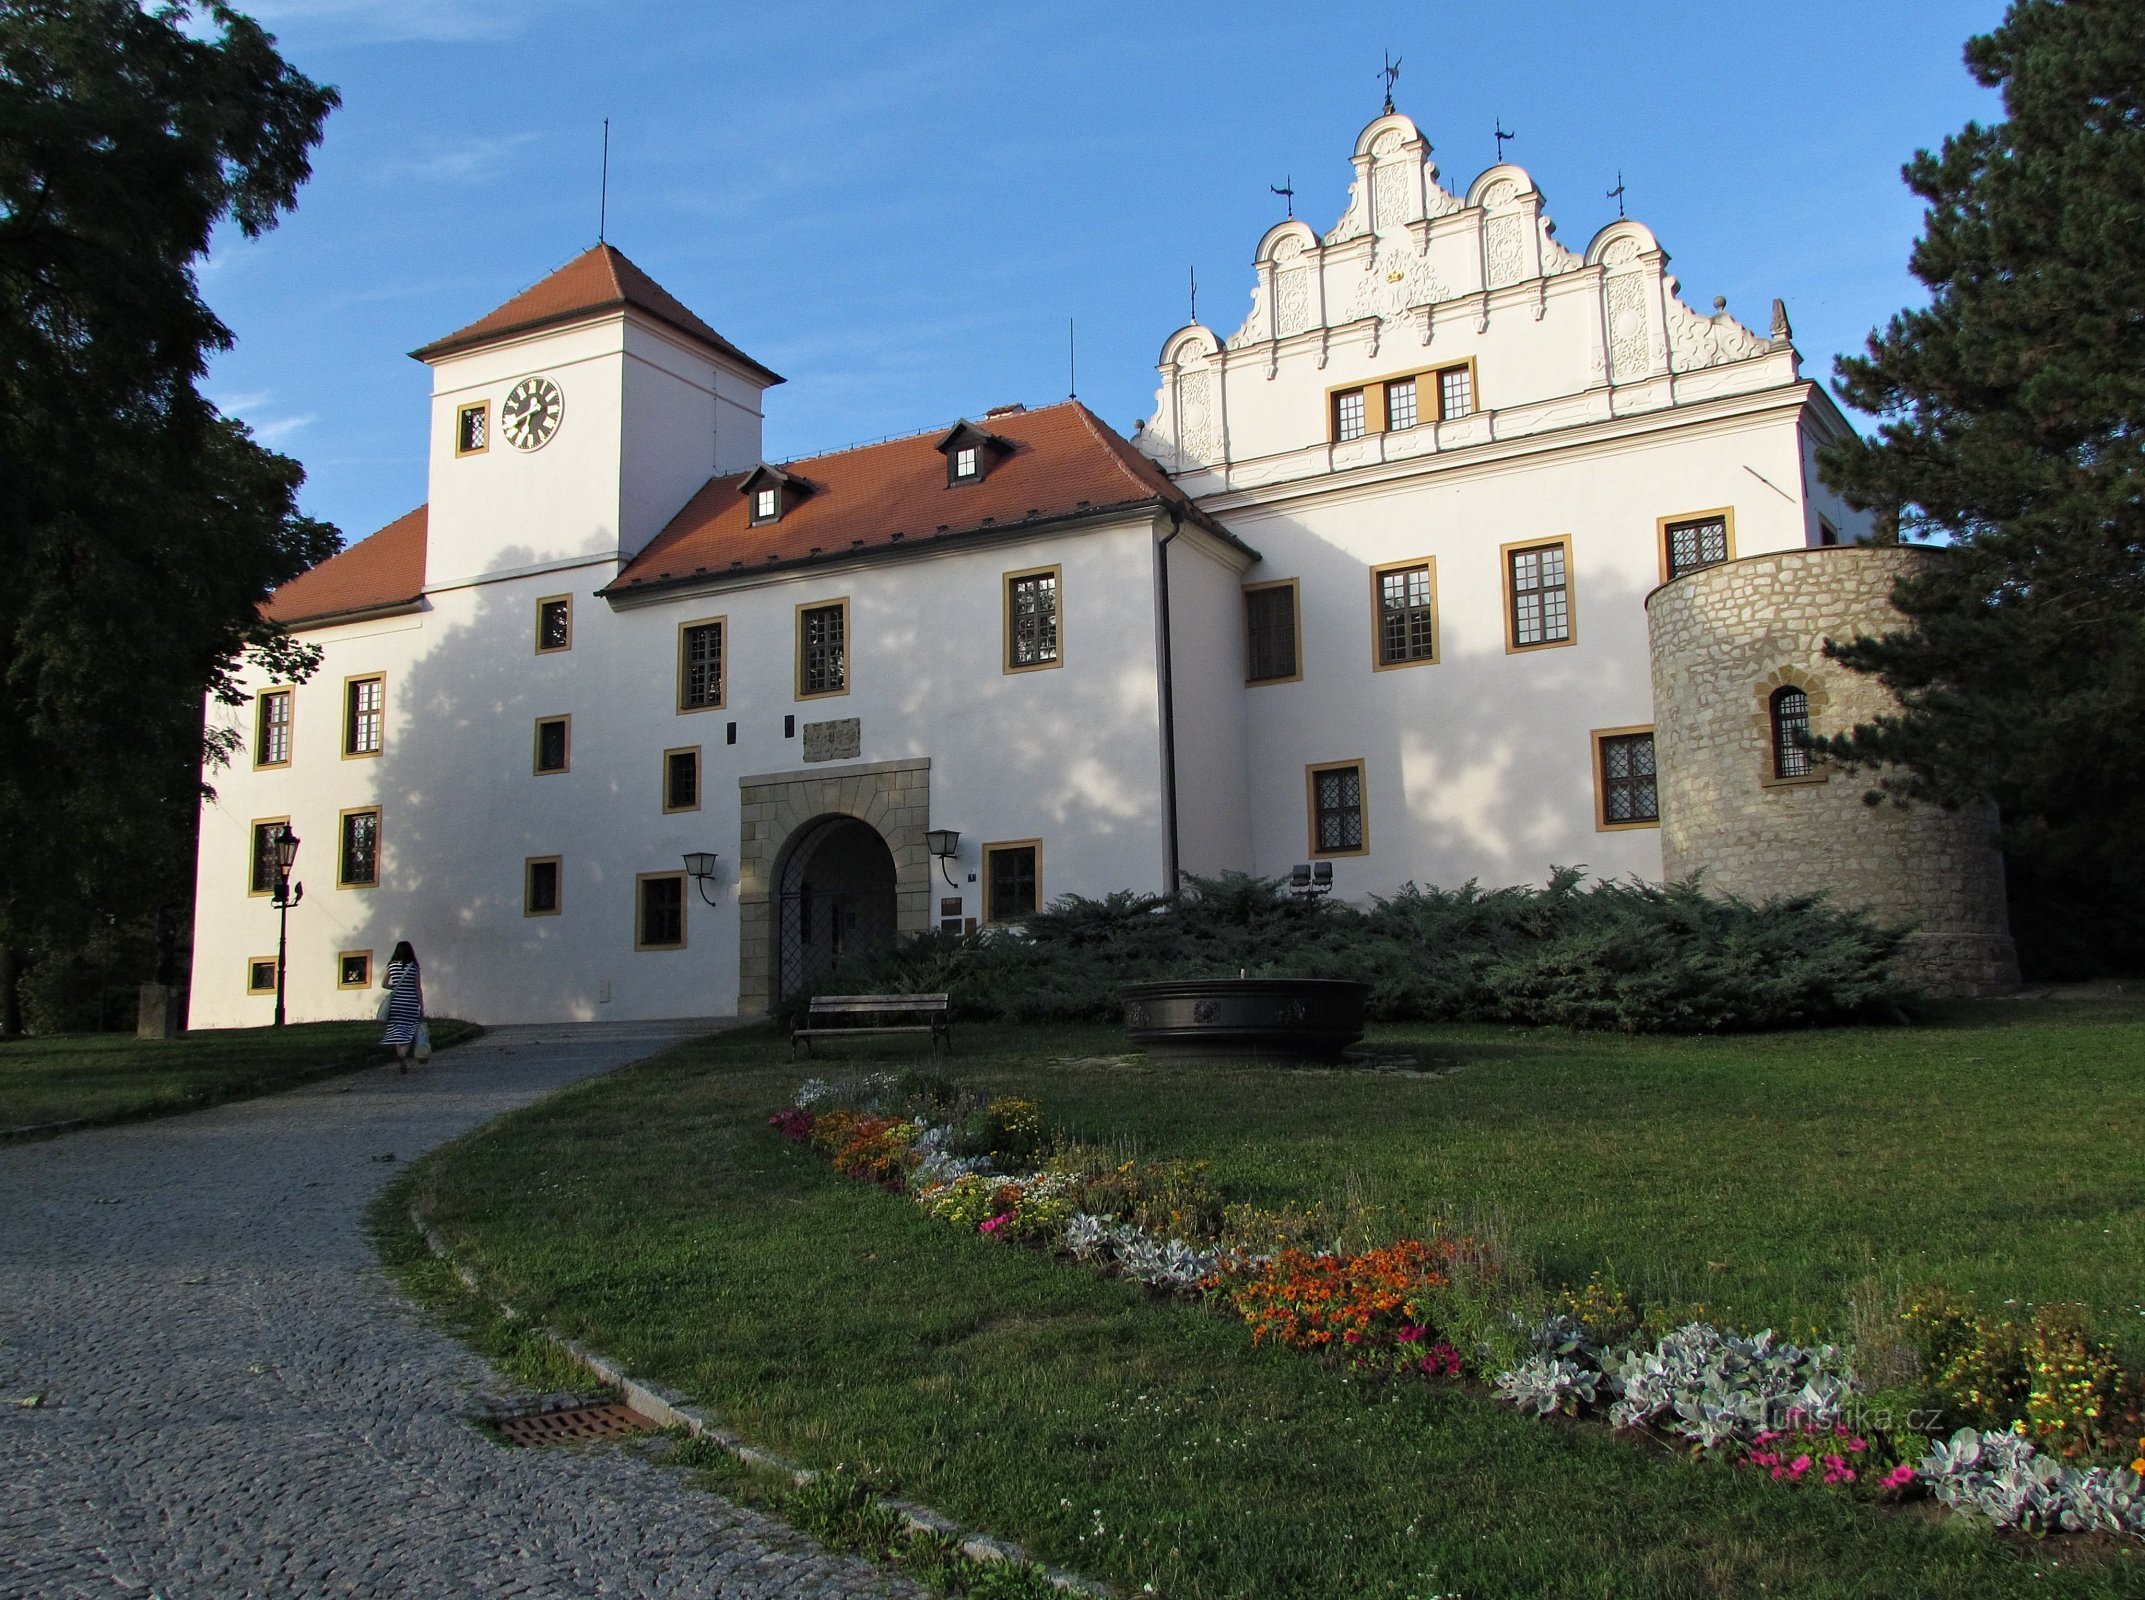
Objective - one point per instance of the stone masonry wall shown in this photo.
(1724, 640)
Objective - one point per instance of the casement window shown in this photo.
(1392, 405)
(681, 778)
(1790, 709)
(1335, 794)
(1625, 792)
(1012, 880)
(1031, 619)
(1349, 420)
(823, 649)
(261, 975)
(1404, 600)
(540, 886)
(766, 506)
(659, 911)
(700, 665)
(473, 429)
(971, 452)
(554, 624)
(1400, 404)
(357, 861)
(364, 715)
(1455, 392)
(1270, 633)
(1537, 595)
(271, 728)
(554, 744)
(1693, 543)
(967, 464)
(353, 970)
(262, 874)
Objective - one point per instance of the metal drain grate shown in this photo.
(574, 1425)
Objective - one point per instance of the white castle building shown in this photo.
(1370, 589)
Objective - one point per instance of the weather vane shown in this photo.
(1391, 74)
(1502, 135)
(1617, 194)
(1194, 273)
(1287, 191)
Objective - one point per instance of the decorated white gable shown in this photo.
(1414, 279)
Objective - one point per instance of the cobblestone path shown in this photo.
(237, 1402)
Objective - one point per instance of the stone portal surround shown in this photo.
(894, 797)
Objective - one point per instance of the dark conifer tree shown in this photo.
(2012, 415)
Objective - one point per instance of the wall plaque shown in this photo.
(832, 741)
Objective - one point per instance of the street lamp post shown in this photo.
(286, 848)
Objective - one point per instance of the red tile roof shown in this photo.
(597, 281)
(1065, 462)
(380, 573)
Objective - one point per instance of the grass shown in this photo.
(1140, 1441)
(95, 1078)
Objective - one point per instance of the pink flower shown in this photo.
(1898, 1478)
(995, 1223)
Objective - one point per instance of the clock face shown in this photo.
(531, 413)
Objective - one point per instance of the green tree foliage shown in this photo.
(2013, 421)
(139, 529)
(1629, 957)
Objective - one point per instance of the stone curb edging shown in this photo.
(41, 1130)
(672, 1411)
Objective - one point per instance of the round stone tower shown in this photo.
(1738, 658)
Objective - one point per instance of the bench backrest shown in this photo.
(842, 1004)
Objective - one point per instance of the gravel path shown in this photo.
(237, 1402)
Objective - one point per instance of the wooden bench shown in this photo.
(835, 1015)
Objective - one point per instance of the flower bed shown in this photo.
(2044, 1412)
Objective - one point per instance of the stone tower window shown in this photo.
(1791, 732)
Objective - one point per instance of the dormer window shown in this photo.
(770, 492)
(971, 452)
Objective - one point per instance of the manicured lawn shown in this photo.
(1141, 1441)
(110, 1077)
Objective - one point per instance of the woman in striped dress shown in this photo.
(405, 987)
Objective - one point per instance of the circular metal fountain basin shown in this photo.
(1256, 1019)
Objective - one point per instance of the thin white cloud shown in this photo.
(232, 405)
(391, 21)
(465, 161)
(274, 433)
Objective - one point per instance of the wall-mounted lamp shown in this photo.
(1310, 878)
(943, 842)
(700, 867)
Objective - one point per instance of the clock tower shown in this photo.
(570, 424)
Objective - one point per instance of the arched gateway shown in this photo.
(834, 899)
(831, 863)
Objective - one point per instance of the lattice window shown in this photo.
(364, 716)
(1541, 596)
(660, 915)
(1337, 809)
(1455, 393)
(1012, 881)
(1791, 733)
(552, 743)
(271, 741)
(540, 886)
(554, 624)
(823, 649)
(699, 665)
(681, 779)
(1031, 619)
(1348, 416)
(1407, 613)
(263, 876)
(1628, 791)
(1400, 404)
(1694, 545)
(358, 865)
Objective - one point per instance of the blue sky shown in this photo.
(898, 206)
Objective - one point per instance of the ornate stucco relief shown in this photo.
(1695, 341)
